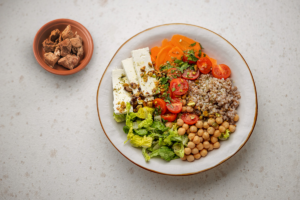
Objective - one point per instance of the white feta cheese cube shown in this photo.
(143, 64)
(121, 96)
(130, 73)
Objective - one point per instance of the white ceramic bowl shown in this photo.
(214, 46)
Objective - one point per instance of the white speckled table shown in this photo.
(52, 145)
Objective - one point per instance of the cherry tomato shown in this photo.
(160, 105)
(174, 107)
(170, 117)
(190, 74)
(176, 100)
(186, 59)
(221, 71)
(174, 73)
(189, 118)
(179, 86)
(204, 65)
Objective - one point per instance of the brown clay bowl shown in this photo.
(61, 24)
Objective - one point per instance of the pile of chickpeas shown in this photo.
(203, 136)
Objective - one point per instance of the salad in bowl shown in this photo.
(175, 101)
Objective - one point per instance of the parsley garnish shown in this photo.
(191, 55)
(199, 53)
(193, 44)
(164, 80)
(183, 67)
(173, 89)
(201, 46)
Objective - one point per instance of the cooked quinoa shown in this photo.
(215, 96)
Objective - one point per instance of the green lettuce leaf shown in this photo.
(126, 129)
(120, 118)
(159, 126)
(225, 136)
(141, 132)
(130, 118)
(128, 106)
(138, 141)
(144, 111)
(173, 136)
(163, 152)
(178, 149)
(145, 154)
(147, 122)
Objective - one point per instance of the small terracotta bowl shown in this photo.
(61, 24)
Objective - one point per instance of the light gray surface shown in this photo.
(51, 142)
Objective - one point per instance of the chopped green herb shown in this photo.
(201, 46)
(193, 44)
(173, 89)
(200, 53)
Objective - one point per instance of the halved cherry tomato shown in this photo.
(170, 117)
(176, 100)
(186, 59)
(160, 105)
(204, 65)
(179, 86)
(174, 107)
(221, 71)
(174, 73)
(189, 118)
(190, 74)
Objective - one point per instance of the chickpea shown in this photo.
(195, 151)
(183, 101)
(185, 126)
(203, 152)
(222, 129)
(226, 125)
(180, 122)
(210, 121)
(197, 156)
(199, 124)
(200, 146)
(205, 125)
(191, 136)
(213, 139)
(183, 109)
(183, 158)
(211, 130)
(201, 139)
(231, 128)
(211, 147)
(189, 109)
(187, 151)
(200, 132)
(219, 120)
(181, 131)
(190, 158)
(169, 124)
(193, 129)
(188, 131)
(196, 140)
(217, 127)
(191, 145)
(216, 145)
(217, 134)
(205, 136)
(236, 118)
(206, 144)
